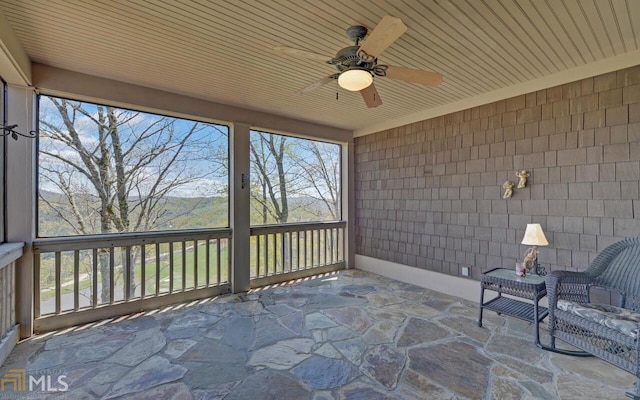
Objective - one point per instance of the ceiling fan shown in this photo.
(357, 65)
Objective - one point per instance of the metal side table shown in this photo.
(505, 281)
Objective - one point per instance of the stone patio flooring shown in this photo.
(349, 335)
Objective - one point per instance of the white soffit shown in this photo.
(221, 50)
(15, 66)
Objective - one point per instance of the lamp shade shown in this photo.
(534, 236)
(355, 79)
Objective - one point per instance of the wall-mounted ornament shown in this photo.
(508, 189)
(522, 176)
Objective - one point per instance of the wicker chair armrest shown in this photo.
(568, 285)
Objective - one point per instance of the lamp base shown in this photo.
(538, 269)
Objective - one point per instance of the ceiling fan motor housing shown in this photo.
(347, 58)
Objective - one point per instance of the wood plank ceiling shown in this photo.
(222, 50)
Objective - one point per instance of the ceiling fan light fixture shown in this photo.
(355, 79)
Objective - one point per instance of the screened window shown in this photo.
(3, 158)
(293, 179)
(104, 169)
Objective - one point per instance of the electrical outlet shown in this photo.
(466, 271)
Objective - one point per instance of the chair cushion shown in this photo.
(621, 319)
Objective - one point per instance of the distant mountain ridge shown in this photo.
(179, 212)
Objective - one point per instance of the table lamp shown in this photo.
(534, 236)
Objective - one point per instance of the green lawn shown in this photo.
(270, 260)
(47, 270)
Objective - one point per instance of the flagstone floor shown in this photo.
(350, 335)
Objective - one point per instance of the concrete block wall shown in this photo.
(429, 194)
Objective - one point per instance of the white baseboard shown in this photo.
(8, 343)
(460, 287)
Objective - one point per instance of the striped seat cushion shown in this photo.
(621, 319)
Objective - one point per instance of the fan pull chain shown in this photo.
(337, 95)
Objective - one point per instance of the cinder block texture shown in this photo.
(429, 194)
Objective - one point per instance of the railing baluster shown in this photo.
(305, 249)
(36, 284)
(126, 273)
(143, 270)
(4, 303)
(326, 247)
(340, 244)
(290, 251)
(12, 284)
(58, 272)
(312, 249)
(94, 278)
(336, 245)
(171, 264)
(157, 269)
(195, 264)
(218, 260)
(208, 262)
(76, 280)
(266, 255)
(331, 259)
(285, 257)
(258, 254)
(275, 253)
(297, 250)
(5, 299)
(11, 293)
(184, 265)
(321, 247)
(112, 285)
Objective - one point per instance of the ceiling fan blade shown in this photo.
(414, 75)
(370, 96)
(318, 84)
(301, 53)
(388, 30)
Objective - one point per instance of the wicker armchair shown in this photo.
(607, 332)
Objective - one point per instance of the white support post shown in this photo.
(239, 213)
(348, 202)
(20, 198)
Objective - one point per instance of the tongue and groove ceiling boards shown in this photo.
(223, 50)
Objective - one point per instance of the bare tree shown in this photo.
(319, 174)
(270, 177)
(114, 168)
(287, 169)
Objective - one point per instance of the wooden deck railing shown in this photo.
(290, 251)
(7, 298)
(83, 279)
(9, 253)
(89, 278)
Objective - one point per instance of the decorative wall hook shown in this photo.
(11, 130)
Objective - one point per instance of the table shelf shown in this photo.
(516, 308)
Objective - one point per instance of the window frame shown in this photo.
(3, 165)
(127, 108)
(340, 178)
